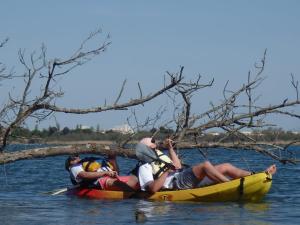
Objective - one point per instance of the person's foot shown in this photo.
(271, 169)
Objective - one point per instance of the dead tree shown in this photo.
(17, 110)
(233, 117)
(230, 115)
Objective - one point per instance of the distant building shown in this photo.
(83, 127)
(214, 133)
(247, 132)
(124, 129)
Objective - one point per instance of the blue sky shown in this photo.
(217, 39)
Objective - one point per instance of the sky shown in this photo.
(217, 39)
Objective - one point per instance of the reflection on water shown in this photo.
(257, 207)
(23, 183)
(151, 208)
(210, 213)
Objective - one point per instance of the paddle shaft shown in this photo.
(63, 190)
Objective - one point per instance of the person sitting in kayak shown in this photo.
(104, 176)
(177, 178)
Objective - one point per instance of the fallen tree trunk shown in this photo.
(8, 157)
(268, 149)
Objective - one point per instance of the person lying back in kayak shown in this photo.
(103, 176)
(174, 177)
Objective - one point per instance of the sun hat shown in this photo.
(150, 142)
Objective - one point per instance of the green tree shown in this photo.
(65, 131)
(52, 130)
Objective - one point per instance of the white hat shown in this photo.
(150, 142)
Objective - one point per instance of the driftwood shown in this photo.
(106, 150)
(8, 157)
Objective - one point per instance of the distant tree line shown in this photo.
(54, 133)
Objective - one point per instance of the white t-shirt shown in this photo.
(146, 176)
(75, 170)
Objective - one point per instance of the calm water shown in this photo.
(23, 200)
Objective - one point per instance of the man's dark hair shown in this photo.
(68, 161)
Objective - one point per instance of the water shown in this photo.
(23, 198)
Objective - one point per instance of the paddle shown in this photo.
(61, 190)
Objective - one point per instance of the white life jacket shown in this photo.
(161, 165)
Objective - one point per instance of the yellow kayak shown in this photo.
(250, 188)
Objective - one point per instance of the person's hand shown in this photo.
(171, 169)
(112, 173)
(169, 143)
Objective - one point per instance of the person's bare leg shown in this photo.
(231, 171)
(132, 182)
(207, 169)
(114, 184)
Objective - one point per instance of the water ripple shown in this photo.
(23, 200)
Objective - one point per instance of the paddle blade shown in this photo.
(60, 191)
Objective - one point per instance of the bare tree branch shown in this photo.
(8, 157)
(3, 74)
(121, 92)
(41, 106)
(295, 85)
(230, 115)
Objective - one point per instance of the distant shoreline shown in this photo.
(80, 142)
(106, 142)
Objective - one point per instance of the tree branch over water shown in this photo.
(18, 109)
(232, 115)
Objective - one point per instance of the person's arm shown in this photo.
(113, 161)
(95, 175)
(173, 155)
(157, 184)
(147, 181)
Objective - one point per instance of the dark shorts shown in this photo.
(185, 179)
